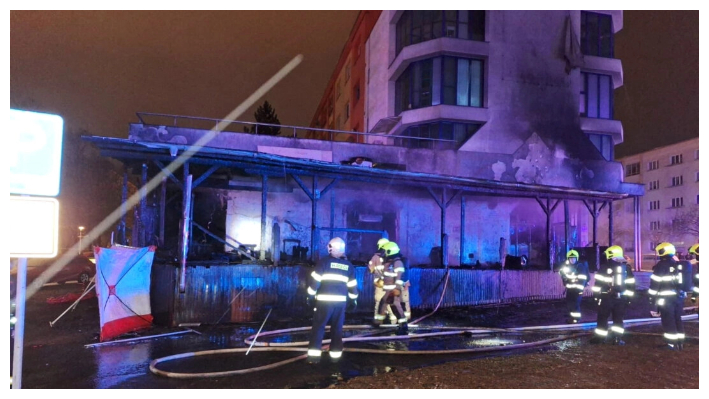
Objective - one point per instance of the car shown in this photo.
(79, 269)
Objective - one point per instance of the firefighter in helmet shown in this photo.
(670, 282)
(376, 267)
(332, 289)
(613, 288)
(574, 276)
(694, 252)
(394, 271)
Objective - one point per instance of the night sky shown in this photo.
(97, 69)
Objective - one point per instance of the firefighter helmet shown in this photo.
(336, 247)
(572, 254)
(694, 249)
(614, 252)
(665, 249)
(382, 242)
(391, 249)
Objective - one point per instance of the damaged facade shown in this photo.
(484, 134)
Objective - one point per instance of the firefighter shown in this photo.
(613, 288)
(376, 267)
(694, 252)
(333, 288)
(393, 287)
(668, 289)
(574, 276)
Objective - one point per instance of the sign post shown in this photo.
(35, 154)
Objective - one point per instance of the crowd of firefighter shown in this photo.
(332, 291)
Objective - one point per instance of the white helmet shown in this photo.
(336, 247)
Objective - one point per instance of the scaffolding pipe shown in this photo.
(462, 229)
(142, 233)
(20, 323)
(186, 222)
(610, 222)
(567, 247)
(314, 228)
(637, 233)
(264, 200)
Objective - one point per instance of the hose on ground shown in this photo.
(294, 346)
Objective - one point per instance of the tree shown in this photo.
(265, 114)
(686, 223)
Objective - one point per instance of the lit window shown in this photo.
(596, 99)
(440, 80)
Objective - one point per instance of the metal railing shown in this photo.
(301, 132)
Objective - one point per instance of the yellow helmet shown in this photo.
(572, 254)
(665, 249)
(390, 248)
(614, 252)
(694, 249)
(382, 242)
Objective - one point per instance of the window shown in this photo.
(597, 34)
(696, 154)
(655, 225)
(426, 135)
(677, 202)
(440, 80)
(653, 245)
(654, 205)
(677, 181)
(676, 159)
(653, 185)
(420, 26)
(356, 93)
(652, 165)
(348, 70)
(632, 169)
(697, 199)
(347, 111)
(696, 176)
(339, 89)
(604, 144)
(596, 99)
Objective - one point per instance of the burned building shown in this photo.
(486, 139)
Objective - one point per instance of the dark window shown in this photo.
(632, 169)
(676, 159)
(596, 99)
(430, 135)
(604, 144)
(440, 80)
(596, 34)
(356, 93)
(420, 26)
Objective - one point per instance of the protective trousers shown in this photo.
(671, 316)
(378, 295)
(395, 302)
(614, 307)
(405, 303)
(573, 304)
(334, 313)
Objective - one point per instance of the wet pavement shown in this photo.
(56, 357)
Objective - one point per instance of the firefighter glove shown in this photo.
(351, 305)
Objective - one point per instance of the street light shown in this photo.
(81, 234)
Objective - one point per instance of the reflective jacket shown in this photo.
(376, 267)
(614, 279)
(394, 273)
(669, 280)
(574, 277)
(333, 280)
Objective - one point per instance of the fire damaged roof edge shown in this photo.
(278, 165)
